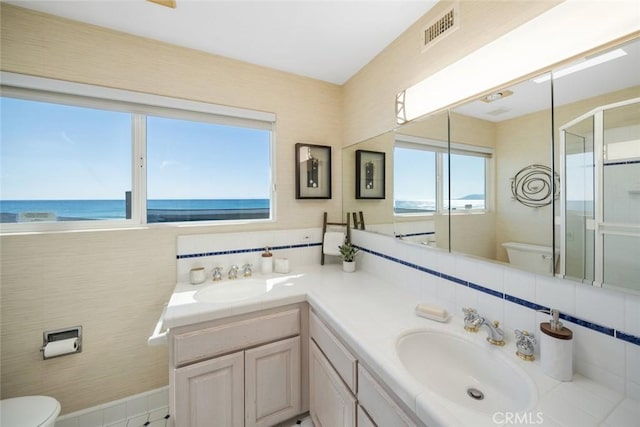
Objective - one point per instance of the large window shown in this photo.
(70, 161)
(422, 182)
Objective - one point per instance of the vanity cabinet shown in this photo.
(331, 401)
(249, 370)
(342, 392)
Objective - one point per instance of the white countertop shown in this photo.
(370, 315)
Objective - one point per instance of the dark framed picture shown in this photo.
(313, 171)
(369, 174)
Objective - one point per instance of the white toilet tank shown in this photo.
(534, 258)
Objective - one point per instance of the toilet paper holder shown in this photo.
(52, 336)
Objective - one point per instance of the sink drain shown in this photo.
(475, 394)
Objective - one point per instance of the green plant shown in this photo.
(348, 252)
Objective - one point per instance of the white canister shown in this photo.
(556, 351)
(266, 262)
(282, 265)
(197, 275)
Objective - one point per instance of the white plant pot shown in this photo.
(348, 266)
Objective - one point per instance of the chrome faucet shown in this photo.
(246, 270)
(217, 274)
(496, 335)
(233, 272)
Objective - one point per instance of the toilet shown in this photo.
(29, 411)
(534, 258)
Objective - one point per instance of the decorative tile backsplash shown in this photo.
(301, 247)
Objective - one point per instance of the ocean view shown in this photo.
(157, 210)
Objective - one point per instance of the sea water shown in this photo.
(116, 209)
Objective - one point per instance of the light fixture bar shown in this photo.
(600, 59)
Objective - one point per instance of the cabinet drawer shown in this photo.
(225, 338)
(341, 359)
(383, 410)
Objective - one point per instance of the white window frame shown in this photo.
(440, 148)
(139, 105)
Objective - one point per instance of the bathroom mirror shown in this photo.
(378, 213)
(500, 175)
(597, 146)
(512, 136)
(408, 210)
(420, 197)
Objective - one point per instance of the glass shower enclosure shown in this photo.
(600, 196)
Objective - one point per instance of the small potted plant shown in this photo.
(348, 254)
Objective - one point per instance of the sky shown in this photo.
(57, 152)
(415, 171)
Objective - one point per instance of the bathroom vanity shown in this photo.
(243, 370)
(328, 342)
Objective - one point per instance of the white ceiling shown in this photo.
(322, 39)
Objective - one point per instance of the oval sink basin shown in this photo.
(474, 376)
(232, 290)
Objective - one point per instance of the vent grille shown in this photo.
(444, 25)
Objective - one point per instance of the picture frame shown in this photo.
(313, 171)
(370, 174)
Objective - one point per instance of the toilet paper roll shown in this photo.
(58, 348)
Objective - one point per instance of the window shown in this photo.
(73, 161)
(468, 182)
(414, 180)
(421, 176)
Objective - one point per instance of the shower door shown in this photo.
(577, 203)
(619, 227)
(600, 203)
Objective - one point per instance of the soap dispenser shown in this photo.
(556, 348)
(266, 266)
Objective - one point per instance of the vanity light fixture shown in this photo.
(496, 96)
(588, 63)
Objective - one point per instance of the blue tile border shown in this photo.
(242, 251)
(612, 332)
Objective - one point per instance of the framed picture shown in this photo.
(313, 171)
(369, 174)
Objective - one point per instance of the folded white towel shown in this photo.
(333, 239)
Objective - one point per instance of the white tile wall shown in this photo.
(146, 409)
(221, 242)
(606, 359)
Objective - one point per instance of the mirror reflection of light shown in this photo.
(600, 59)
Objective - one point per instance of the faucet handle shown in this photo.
(246, 270)
(217, 274)
(525, 345)
(233, 272)
(471, 319)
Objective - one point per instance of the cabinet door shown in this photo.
(210, 393)
(331, 402)
(363, 418)
(272, 383)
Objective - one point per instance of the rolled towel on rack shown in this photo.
(333, 239)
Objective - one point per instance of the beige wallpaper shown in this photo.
(114, 283)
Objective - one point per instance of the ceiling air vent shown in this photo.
(441, 27)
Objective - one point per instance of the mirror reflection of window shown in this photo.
(414, 180)
(468, 183)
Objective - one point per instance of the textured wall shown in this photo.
(114, 283)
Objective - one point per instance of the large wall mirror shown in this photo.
(544, 174)
(597, 145)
